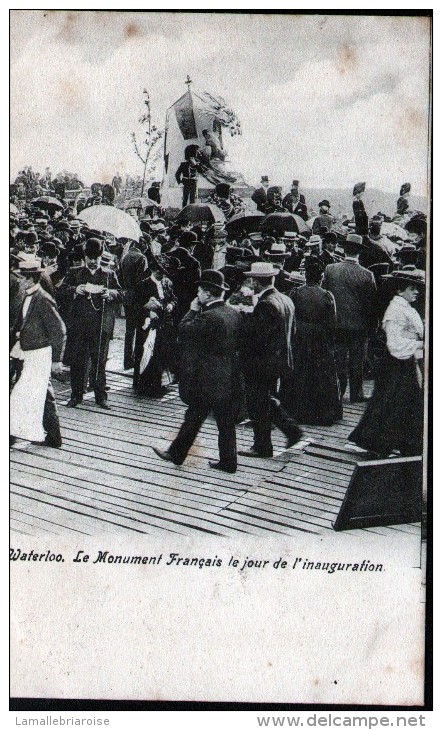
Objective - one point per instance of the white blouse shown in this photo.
(403, 327)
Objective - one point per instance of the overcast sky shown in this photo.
(330, 100)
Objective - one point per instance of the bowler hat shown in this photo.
(214, 278)
(49, 249)
(63, 226)
(262, 269)
(30, 238)
(405, 188)
(93, 248)
(187, 238)
(324, 204)
(359, 188)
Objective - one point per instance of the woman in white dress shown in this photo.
(393, 420)
(41, 334)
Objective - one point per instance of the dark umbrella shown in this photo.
(198, 212)
(46, 202)
(246, 221)
(281, 222)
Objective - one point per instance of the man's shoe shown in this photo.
(254, 454)
(164, 455)
(103, 404)
(221, 467)
(293, 437)
(74, 402)
(53, 443)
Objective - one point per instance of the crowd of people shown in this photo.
(253, 314)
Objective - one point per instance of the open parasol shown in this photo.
(111, 220)
(198, 212)
(282, 222)
(249, 221)
(47, 202)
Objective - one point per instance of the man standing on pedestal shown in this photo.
(187, 174)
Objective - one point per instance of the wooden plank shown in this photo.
(159, 511)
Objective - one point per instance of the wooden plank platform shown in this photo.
(107, 479)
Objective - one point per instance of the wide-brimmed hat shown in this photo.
(290, 235)
(324, 204)
(255, 236)
(359, 188)
(262, 269)
(214, 278)
(411, 276)
(29, 266)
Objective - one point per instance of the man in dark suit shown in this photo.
(94, 293)
(187, 174)
(133, 265)
(209, 340)
(294, 201)
(259, 196)
(267, 356)
(354, 290)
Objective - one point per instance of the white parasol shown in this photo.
(111, 220)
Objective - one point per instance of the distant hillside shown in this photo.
(374, 200)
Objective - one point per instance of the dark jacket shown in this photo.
(43, 326)
(361, 218)
(146, 289)
(354, 290)
(132, 267)
(297, 206)
(87, 311)
(268, 335)
(259, 196)
(186, 171)
(208, 343)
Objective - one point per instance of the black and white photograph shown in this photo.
(219, 273)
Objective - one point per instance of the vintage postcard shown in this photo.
(219, 317)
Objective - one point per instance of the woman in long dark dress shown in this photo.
(155, 302)
(393, 420)
(312, 395)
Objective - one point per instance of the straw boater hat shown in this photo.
(29, 266)
(314, 241)
(262, 269)
(276, 251)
